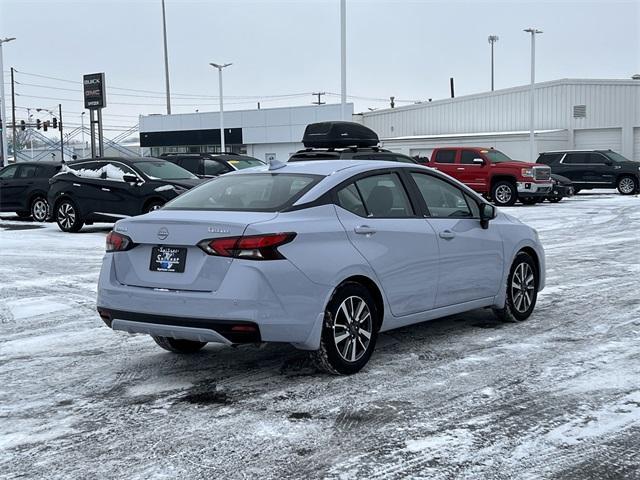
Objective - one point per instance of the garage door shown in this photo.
(636, 144)
(600, 138)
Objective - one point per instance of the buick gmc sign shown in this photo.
(94, 91)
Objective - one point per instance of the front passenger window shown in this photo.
(443, 199)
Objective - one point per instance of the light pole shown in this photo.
(492, 40)
(343, 59)
(82, 132)
(220, 67)
(532, 140)
(166, 59)
(3, 111)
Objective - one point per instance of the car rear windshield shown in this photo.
(161, 169)
(253, 192)
(496, 156)
(243, 163)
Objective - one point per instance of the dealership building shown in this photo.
(569, 114)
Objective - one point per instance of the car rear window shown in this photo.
(549, 158)
(161, 169)
(255, 192)
(243, 163)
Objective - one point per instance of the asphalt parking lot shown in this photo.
(557, 396)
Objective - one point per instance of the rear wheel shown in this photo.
(349, 332)
(522, 290)
(151, 206)
(68, 217)
(504, 193)
(179, 346)
(40, 209)
(627, 185)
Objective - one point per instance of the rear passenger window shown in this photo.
(575, 158)
(443, 199)
(384, 196)
(445, 156)
(191, 164)
(27, 171)
(349, 198)
(549, 158)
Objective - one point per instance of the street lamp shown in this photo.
(492, 40)
(532, 141)
(220, 67)
(166, 60)
(3, 111)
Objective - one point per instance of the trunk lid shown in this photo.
(179, 229)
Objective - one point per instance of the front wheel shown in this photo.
(627, 185)
(349, 332)
(504, 193)
(179, 346)
(68, 217)
(40, 209)
(152, 206)
(522, 290)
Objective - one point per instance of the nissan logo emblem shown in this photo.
(163, 233)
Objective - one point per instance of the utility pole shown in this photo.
(166, 59)
(319, 95)
(3, 111)
(61, 136)
(13, 115)
(343, 59)
(532, 140)
(492, 40)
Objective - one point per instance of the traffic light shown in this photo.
(38, 123)
(45, 125)
(55, 123)
(23, 125)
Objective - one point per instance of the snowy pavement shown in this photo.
(557, 396)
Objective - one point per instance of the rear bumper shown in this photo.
(532, 189)
(282, 304)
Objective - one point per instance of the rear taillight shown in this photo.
(252, 247)
(116, 242)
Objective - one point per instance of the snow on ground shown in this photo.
(557, 396)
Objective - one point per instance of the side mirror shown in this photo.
(487, 212)
(478, 161)
(130, 178)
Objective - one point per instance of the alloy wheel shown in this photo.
(503, 194)
(40, 210)
(627, 185)
(66, 215)
(522, 287)
(352, 329)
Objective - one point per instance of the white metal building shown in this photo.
(266, 133)
(568, 114)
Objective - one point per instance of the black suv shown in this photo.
(208, 165)
(103, 189)
(344, 140)
(24, 187)
(589, 169)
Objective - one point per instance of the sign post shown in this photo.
(95, 98)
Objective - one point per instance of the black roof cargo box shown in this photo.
(338, 135)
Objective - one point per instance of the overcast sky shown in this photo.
(408, 49)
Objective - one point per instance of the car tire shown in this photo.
(179, 346)
(347, 343)
(627, 185)
(40, 209)
(504, 193)
(151, 206)
(522, 290)
(529, 201)
(68, 217)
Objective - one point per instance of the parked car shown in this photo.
(320, 254)
(344, 141)
(24, 187)
(562, 187)
(589, 169)
(104, 189)
(493, 174)
(210, 165)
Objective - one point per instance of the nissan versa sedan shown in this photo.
(320, 254)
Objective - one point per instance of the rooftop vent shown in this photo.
(579, 111)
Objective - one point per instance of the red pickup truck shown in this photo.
(493, 174)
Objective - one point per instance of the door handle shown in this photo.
(105, 189)
(76, 184)
(460, 168)
(447, 234)
(364, 230)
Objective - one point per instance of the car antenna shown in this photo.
(275, 164)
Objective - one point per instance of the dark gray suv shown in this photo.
(589, 169)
